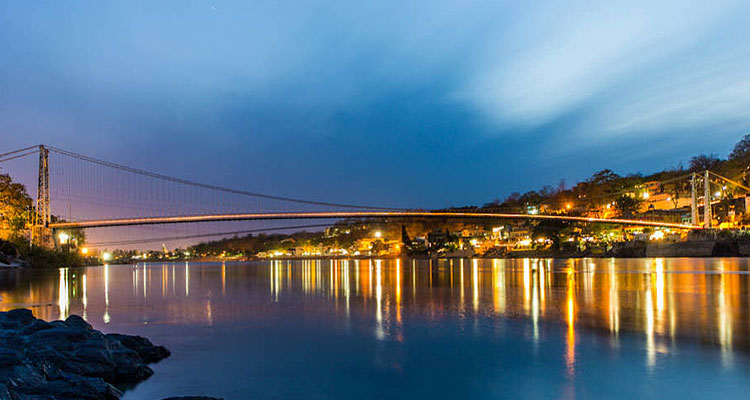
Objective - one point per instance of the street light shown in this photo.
(63, 237)
(378, 234)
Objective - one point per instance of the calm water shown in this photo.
(588, 329)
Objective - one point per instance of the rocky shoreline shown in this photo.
(68, 359)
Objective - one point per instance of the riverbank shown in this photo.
(701, 247)
(705, 247)
(20, 254)
(69, 359)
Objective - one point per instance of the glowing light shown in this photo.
(64, 237)
(379, 329)
(85, 297)
(378, 234)
(658, 235)
(85, 250)
(475, 283)
(570, 355)
(650, 345)
(63, 300)
(568, 206)
(646, 195)
(106, 317)
(659, 284)
(106, 256)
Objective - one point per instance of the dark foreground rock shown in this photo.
(193, 398)
(68, 359)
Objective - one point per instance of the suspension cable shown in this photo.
(741, 186)
(19, 150)
(8, 157)
(210, 186)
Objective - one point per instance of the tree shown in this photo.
(595, 190)
(704, 162)
(378, 247)
(627, 206)
(550, 229)
(15, 205)
(493, 204)
(604, 176)
(673, 189)
(76, 236)
(513, 197)
(547, 192)
(531, 198)
(741, 151)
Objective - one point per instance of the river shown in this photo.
(372, 329)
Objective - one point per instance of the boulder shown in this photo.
(145, 349)
(193, 398)
(68, 359)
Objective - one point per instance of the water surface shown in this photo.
(372, 329)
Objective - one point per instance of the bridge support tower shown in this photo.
(706, 201)
(41, 233)
(694, 217)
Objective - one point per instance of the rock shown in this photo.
(78, 322)
(4, 392)
(193, 398)
(10, 357)
(21, 315)
(36, 326)
(142, 346)
(68, 359)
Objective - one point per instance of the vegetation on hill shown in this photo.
(16, 213)
(606, 186)
(586, 197)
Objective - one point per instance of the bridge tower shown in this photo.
(41, 233)
(706, 201)
(694, 217)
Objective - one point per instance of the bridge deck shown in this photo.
(351, 214)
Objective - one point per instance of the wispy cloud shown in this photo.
(635, 62)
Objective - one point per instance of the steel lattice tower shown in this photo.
(40, 230)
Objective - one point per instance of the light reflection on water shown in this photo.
(632, 315)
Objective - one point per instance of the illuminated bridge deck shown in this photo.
(352, 214)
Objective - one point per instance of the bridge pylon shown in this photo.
(41, 233)
(707, 201)
(694, 216)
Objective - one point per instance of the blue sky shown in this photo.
(415, 104)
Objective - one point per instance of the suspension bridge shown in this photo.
(75, 191)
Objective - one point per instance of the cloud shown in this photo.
(557, 60)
